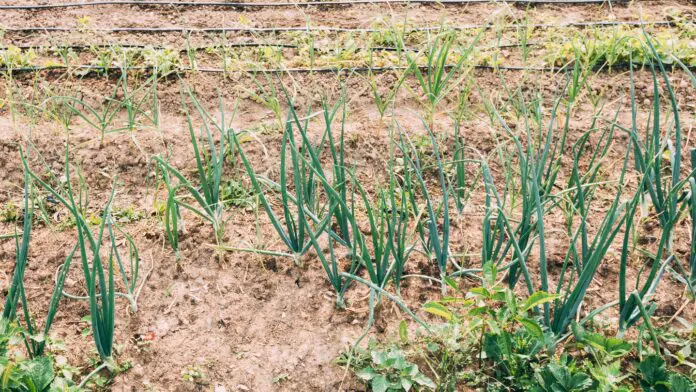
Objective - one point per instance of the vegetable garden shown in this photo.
(348, 195)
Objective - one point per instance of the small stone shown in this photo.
(100, 160)
(138, 371)
(162, 328)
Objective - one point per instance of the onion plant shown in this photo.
(102, 117)
(398, 214)
(647, 158)
(382, 252)
(296, 220)
(630, 303)
(309, 188)
(129, 272)
(586, 258)
(133, 265)
(341, 176)
(382, 101)
(210, 162)
(539, 164)
(339, 170)
(574, 282)
(498, 233)
(436, 245)
(439, 77)
(306, 166)
(21, 258)
(35, 340)
(371, 251)
(374, 250)
(458, 186)
(493, 228)
(582, 185)
(331, 264)
(664, 194)
(653, 148)
(172, 215)
(692, 213)
(100, 285)
(301, 207)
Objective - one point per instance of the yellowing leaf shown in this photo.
(438, 310)
(538, 298)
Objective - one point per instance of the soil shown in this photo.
(247, 322)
